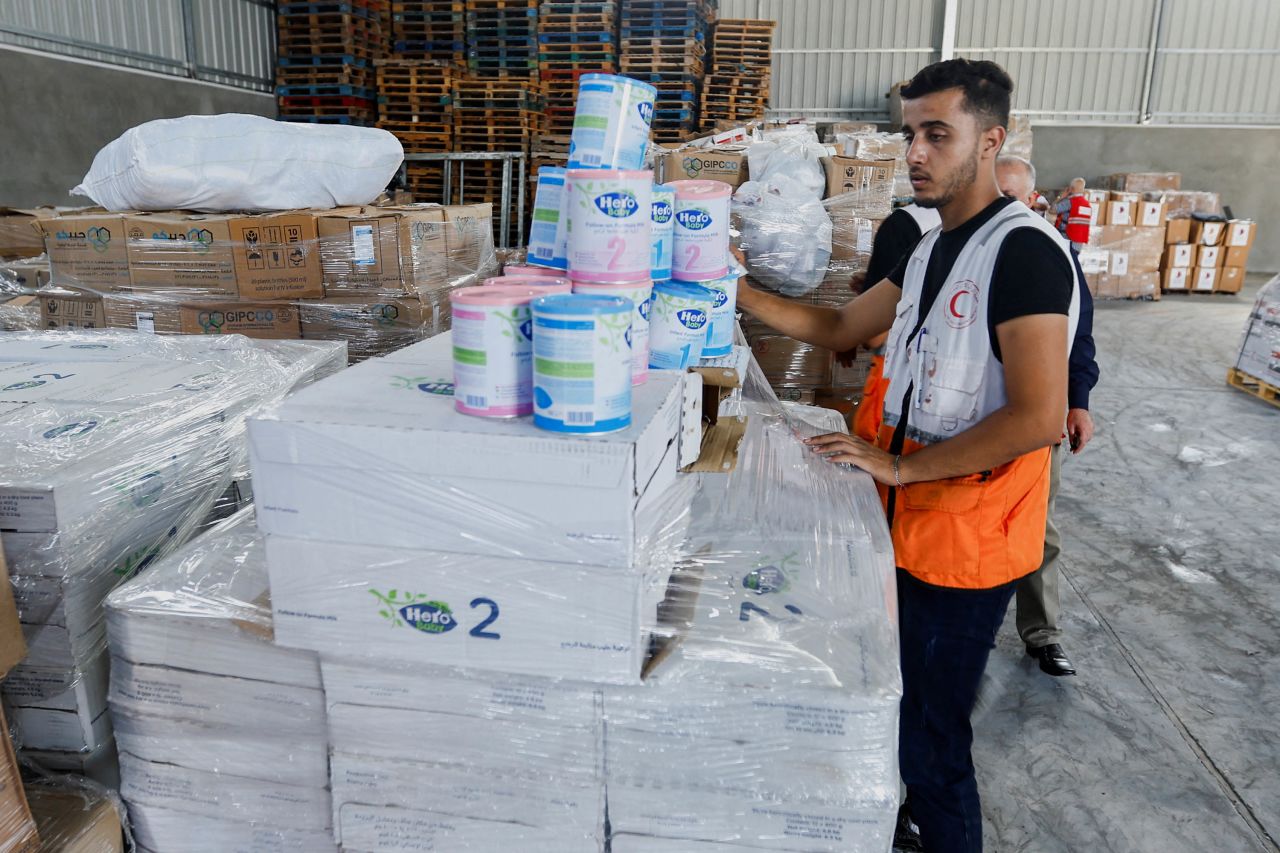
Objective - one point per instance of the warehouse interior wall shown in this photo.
(56, 113)
(1240, 164)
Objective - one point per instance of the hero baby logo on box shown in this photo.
(426, 384)
(662, 212)
(617, 205)
(692, 318)
(693, 219)
(420, 612)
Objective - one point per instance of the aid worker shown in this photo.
(1036, 602)
(1075, 213)
(979, 317)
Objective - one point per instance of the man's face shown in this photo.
(944, 146)
(1015, 183)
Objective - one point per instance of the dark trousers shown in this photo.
(946, 637)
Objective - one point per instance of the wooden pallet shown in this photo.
(1254, 386)
(415, 142)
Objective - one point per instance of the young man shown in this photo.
(979, 318)
(1036, 600)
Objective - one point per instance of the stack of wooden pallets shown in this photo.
(325, 53)
(664, 43)
(430, 29)
(493, 115)
(502, 38)
(415, 102)
(737, 88)
(574, 38)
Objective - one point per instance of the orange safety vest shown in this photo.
(1078, 219)
(981, 530)
(870, 412)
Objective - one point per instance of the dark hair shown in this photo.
(985, 84)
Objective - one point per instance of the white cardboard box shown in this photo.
(374, 829)
(463, 610)
(367, 456)
(649, 844)
(64, 731)
(160, 830)
(78, 689)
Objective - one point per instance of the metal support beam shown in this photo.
(947, 47)
(189, 38)
(1149, 72)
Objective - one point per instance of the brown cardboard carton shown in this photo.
(1208, 256)
(31, 275)
(1150, 214)
(1207, 233)
(87, 250)
(277, 256)
(19, 235)
(1176, 278)
(1142, 285)
(1177, 230)
(12, 646)
(17, 827)
(156, 314)
(1179, 255)
(468, 241)
(852, 237)
(178, 251)
(725, 164)
(75, 820)
(263, 320)
(371, 325)
(1118, 213)
(1239, 234)
(1235, 256)
(870, 180)
(1144, 246)
(68, 309)
(383, 249)
(1204, 278)
(1230, 279)
(1142, 182)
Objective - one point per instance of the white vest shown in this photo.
(958, 379)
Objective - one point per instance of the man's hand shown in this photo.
(838, 447)
(1079, 428)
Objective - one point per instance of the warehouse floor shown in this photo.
(1169, 739)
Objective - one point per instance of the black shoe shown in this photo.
(906, 835)
(1053, 660)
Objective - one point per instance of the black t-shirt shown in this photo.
(1032, 275)
(896, 238)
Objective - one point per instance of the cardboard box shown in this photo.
(1207, 233)
(277, 256)
(1144, 246)
(1204, 278)
(1187, 202)
(1143, 182)
(1176, 278)
(17, 826)
(1150, 214)
(87, 250)
(67, 309)
(324, 458)
(1132, 285)
(156, 828)
(1208, 256)
(852, 237)
(1240, 233)
(1235, 256)
(391, 830)
(73, 820)
(1118, 213)
(1230, 279)
(262, 320)
(468, 240)
(1179, 255)
(174, 252)
(727, 165)
(31, 275)
(155, 314)
(870, 180)
(65, 731)
(393, 249)
(20, 236)
(12, 646)
(1177, 230)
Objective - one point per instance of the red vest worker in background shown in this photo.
(1075, 214)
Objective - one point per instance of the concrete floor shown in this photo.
(1169, 739)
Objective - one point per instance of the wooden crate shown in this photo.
(1254, 386)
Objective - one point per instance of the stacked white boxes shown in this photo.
(222, 734)
(114, 447)
(404, 538)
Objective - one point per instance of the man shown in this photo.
(1075, 214)
(979, 318)
(1036, 598)
(897, 236)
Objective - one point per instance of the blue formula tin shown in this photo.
(723, 314)
(679, 317)
(548, 235)
(664, 209)
(611, 122)
(582, 363)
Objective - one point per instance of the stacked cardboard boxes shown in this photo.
(1122, 259)
(1206, 255)
(1258, 364)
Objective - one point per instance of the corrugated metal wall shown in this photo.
(222, 41)
(1211, 62)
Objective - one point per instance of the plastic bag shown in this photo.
(240, 162)
(786, 238)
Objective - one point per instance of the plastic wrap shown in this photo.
(1188, 202)
(240, 162)
(377, 278)
(18, 236)
(1259, 355)
(199, 696)
(117, 446)
(75, 816)
(868, 144)
(1123, 261)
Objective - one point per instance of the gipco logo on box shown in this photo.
(213, 321)
(385, 315)
(98, 238)
(692, 318)
(693, 219)
(616, 204)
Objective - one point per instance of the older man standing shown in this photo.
(1075, 212)
(1036, 596)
